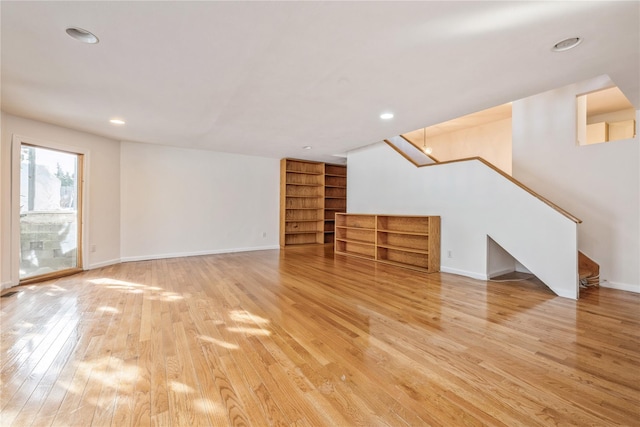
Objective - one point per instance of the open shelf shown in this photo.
(410, 241)
(361, 235)
(300, 238)
(362, 250)
(335, 170)
(404, 224)
(304, 166)
(302, 226)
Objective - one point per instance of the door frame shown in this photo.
(83, 163)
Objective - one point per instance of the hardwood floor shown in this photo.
(298, 337)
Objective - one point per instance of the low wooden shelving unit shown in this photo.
(405, 241)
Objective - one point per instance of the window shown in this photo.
(603, 116)
(47, 198)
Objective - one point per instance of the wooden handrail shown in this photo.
(402, 153)
(505, 175)
(420, 149)
(408, 155)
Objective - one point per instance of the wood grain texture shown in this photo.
(300, 337)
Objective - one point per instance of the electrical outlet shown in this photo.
(93, 248)
(264, 234)
(449, 254)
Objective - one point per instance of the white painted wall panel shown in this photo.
(178, 202)
(598, 183)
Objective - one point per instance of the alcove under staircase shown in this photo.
(588, 271)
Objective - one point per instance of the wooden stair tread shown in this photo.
(583, 274)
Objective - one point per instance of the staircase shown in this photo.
(526, 235)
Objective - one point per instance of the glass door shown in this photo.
(50, 213)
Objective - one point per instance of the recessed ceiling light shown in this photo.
(386, 116)
(307, 147)
(81, 35)
(116, 121)
(566, 44)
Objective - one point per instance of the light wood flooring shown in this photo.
(298, 337)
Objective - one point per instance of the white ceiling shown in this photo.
(267, 78)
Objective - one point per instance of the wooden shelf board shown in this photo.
(303, 220)
(356, 228)
(305, 185)
(290, 244)
(412, 233)
(304, 232)
(403, 265)
(351, 254)
(305, 173)
(403, 249)
(357, 242)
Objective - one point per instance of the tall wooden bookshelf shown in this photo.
(310, 195)
(335, 197)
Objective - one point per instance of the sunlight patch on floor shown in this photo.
(244, 316)
(107, 309)
(156, 293)
(179, 387)
(250, 331)
(111, 372)
(208, 406)
(220, 343)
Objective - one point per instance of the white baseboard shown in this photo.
(6, 285)
(198, 253)
(470, 274)
(104, 263)
(621, 286)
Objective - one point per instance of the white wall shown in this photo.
(150, 201)
(103, 178)
(598, 183)
(178, 202)
(474, 202)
